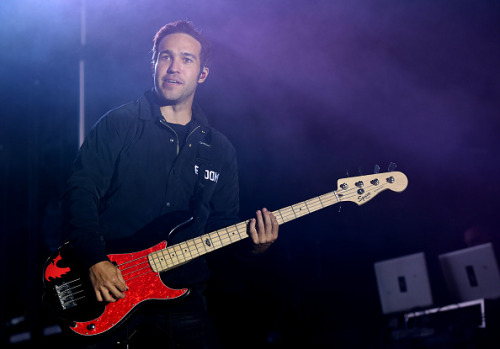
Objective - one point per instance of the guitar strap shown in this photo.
(203, 161)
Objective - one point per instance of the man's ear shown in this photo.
(203, 75)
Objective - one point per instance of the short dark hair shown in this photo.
(188, 28)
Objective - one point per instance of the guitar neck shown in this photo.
(181, 253)
(359, 190)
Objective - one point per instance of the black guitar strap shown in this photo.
(203, 161)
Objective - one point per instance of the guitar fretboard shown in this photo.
(186, 251)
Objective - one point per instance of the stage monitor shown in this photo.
(403, 283)
(471, 273)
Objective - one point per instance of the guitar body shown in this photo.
(69, 292)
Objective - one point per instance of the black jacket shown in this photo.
(131, 170)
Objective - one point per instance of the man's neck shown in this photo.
(177, 114)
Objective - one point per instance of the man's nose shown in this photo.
(174, 66)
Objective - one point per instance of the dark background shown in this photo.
(308, 91)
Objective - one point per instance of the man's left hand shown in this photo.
(263, 230)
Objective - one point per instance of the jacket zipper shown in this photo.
(190, 133)
(176, 135)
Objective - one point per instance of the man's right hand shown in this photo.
(108, 282)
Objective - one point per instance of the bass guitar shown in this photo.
(68, 289)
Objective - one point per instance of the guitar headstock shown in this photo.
(362, 189)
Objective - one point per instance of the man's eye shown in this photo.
(188, 60)
(165, 58)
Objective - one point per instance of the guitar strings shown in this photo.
(180, 253)
(169, 257)
(144, 266)
(69, 292)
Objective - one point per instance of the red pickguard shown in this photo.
(144, 284)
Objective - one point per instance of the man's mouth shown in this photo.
(173, 81)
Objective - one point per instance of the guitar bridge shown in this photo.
(66, 295)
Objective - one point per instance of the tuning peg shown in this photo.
(392, 167)
(376, 169)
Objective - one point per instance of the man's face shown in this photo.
(177, 70)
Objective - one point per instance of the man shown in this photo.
(152, 158)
